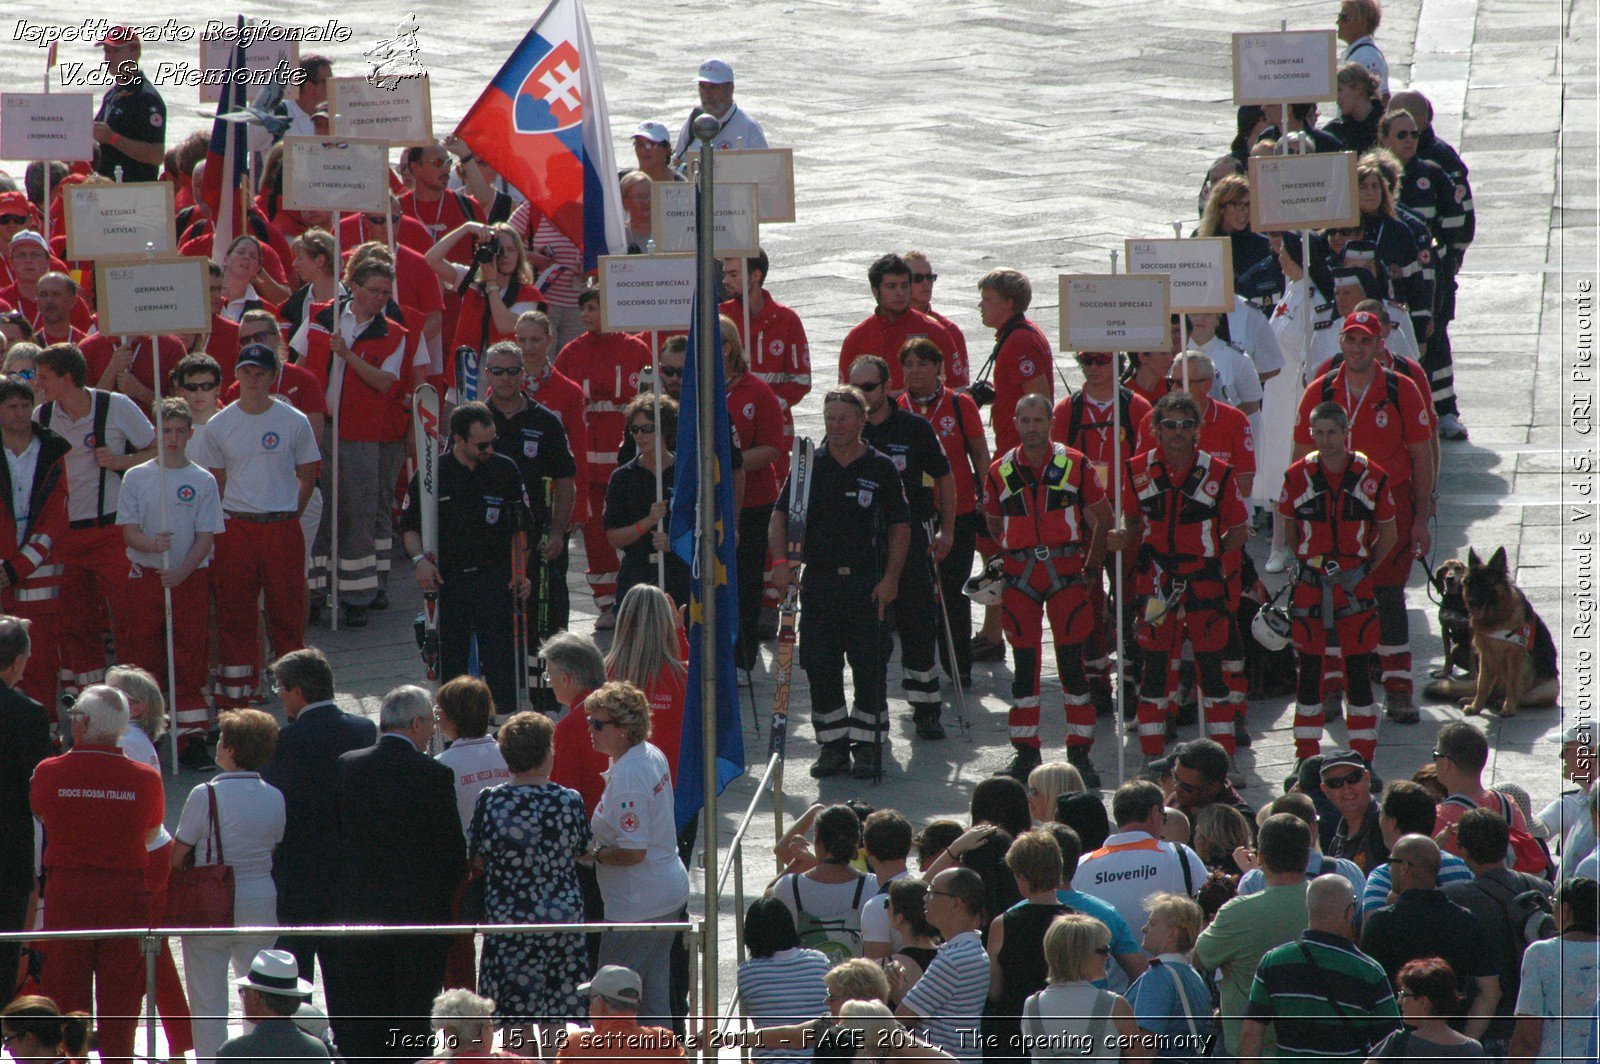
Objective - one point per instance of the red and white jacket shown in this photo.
(31, 575)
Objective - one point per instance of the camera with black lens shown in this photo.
(484, 251)
(981, 393)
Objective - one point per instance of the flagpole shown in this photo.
(705, 129)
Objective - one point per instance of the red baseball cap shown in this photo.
(117, 36)
(13, 203)
(1364, 322)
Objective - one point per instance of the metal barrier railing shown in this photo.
(151, 938)
(735, 866)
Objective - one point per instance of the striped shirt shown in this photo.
(949, 997)
(1452, 869)
(1324, 997)
(559, 284)
(782, 989)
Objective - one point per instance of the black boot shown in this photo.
(1024, 761)
(1078, 758)
(832, 760)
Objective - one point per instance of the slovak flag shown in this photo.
(542, 125)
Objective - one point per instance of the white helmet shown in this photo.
(988, 586)
(1271, 624)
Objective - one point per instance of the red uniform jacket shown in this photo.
(606, 367)
(1079, 424)
(757, 418)
(566, 399)
(1023, 358)
(884, 338)
(955, 420)
(1042, 507)
(779, 356)
(364, 414)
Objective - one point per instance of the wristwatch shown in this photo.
(415, 558)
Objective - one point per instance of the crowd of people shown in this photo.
(151, 545)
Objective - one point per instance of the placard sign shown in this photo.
(1303, 191)
(1115, 312)
(735, 230)
(335, 175)
(111, 221)
(47, 125)
(1199, 271)
(1294, 67)
(155, 297)
(640, 293)
(770, 168)
(216, 50)
(400, 112)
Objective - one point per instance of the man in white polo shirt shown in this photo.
(264, 457)
(109, 435)
(1134, 864)
(735, 128)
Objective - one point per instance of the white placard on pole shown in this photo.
(736, 230)
(400, 113)
(1303, 192)
(47, 125)
(133, 219)
(770, 168)
(1114, 312)
(154, 297)
(271, 51)
(1199, 271)
(345, 174)
(1295, 67)
(646, 293)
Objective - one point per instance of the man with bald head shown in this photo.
(1322, 995)
(1421, 921)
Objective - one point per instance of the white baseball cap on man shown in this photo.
(716, 72)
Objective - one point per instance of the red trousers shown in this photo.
(113, 967)
(1071, 621)
(144, 643)
(603, 560)
(171, 1001)
(95, 581)
(40, 675)
(255, 559)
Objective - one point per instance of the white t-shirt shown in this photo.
(193, 506)
(22, 467)
(636, 813)
(1131, 866)
(1250, 330)
(739, 131)
(1237, 381)
(136, 746)
(125, 425)
(259, 453)
(252, 815)
(875, 923)
(477, 765)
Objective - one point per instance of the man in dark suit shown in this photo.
(401, 858)
(24, 742)
(305, 767)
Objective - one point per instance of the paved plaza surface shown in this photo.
(1040, 135)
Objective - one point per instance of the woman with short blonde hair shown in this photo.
(1072, 1019)
(635, 857)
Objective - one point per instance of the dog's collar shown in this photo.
(1519, 636)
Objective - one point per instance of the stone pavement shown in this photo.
(1039, 135)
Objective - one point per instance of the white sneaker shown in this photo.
(1279, 560)
(1451, 428)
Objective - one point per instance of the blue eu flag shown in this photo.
(691, 466)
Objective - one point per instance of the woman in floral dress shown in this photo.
(526, 835)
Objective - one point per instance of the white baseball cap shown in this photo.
(654, 131)
(29, 236)
(716, 72)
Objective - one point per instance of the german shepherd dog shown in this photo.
(1512, 654)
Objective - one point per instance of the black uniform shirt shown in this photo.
(479, 511)
(137, 112)
(848, 507)
(911, 444)
(537, 442)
